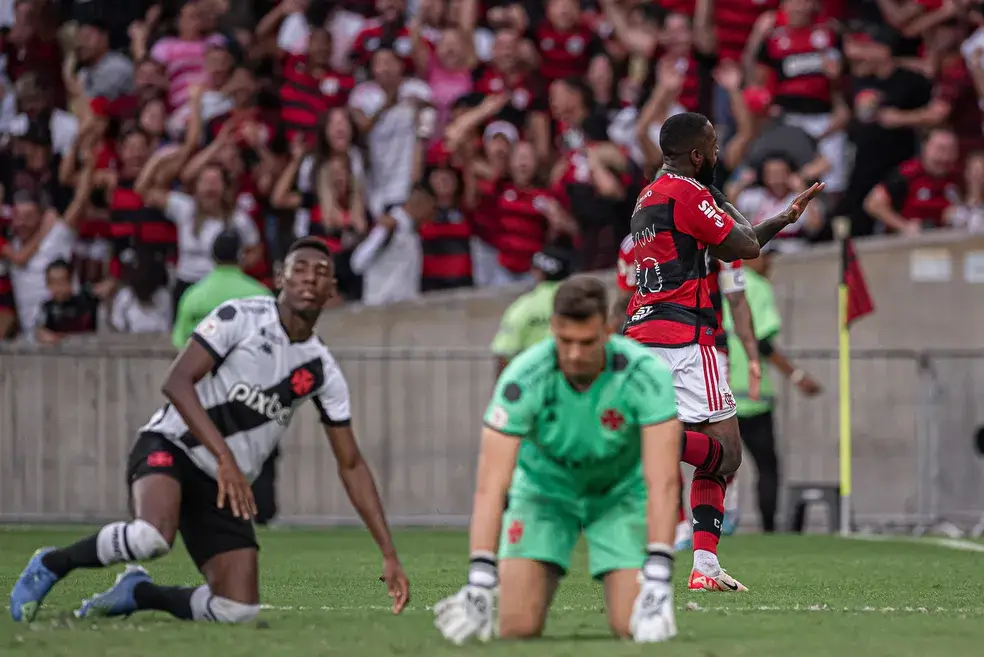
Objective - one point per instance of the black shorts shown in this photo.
(206, 529)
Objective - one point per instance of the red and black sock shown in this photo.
(707, 504)
(701, 451)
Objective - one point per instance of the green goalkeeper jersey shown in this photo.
(581, 445)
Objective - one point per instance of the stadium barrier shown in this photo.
(68, 418)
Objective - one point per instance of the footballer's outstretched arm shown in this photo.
(660, 466)
(361, 490)
(496, 461)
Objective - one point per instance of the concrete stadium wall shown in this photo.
(420, 377)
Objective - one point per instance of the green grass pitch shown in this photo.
(810, 595)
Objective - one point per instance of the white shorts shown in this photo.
(701, 384)
(724, 368)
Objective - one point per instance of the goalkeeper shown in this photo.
(582, 434)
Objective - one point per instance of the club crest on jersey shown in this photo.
(612, 420)
(267, 404)
(301, 382)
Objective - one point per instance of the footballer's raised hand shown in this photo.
(470, 613)
(796, 209)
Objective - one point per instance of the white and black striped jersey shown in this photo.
(259, 380)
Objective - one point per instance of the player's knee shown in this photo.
(620, 627)
(224, 610)
(517, 626)
(146, 541)
(730, 461)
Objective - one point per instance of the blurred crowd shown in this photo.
(437, 144)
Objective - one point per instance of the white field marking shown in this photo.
(692, 606)
(949, 543)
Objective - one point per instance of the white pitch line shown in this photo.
(949, 543)
(691, 606)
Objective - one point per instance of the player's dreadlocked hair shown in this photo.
(680, 133)
(580, 298)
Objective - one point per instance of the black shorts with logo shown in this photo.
(206, 529)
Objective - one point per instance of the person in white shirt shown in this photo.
(143, 304)
(770, 189)
(390, 258)
(40, 238)
(199, 220)
(386, 111)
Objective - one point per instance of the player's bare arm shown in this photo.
(652, 613)
(617, 317)
(660, 465)
(496, 462)
(742, 316)
(191, 366)
(361, 490)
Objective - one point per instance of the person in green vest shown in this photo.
(755, 417)
(227, 281)
(527, 320)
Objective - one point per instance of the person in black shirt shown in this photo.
(883, 94)
(67, 312)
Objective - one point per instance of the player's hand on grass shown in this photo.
(470, 613)
(798, 206)
(397, 584)
(754, 379)
(652, 614)
(234, 487)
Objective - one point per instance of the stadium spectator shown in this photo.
(886, 98)
(764, 193)
(969, 213)
(390, 260)
(386, 112)
(915, 197)
(104, 73)
(143, 303)
(66, 312)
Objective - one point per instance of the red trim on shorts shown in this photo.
(708, 357)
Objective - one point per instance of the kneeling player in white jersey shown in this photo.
(231, 395)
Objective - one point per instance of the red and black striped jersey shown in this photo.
(305, 96)
(674, 221)
(446, 243)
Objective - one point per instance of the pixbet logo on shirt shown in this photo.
(263, 403)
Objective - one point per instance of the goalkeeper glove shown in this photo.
(653, 614)
(471, 611)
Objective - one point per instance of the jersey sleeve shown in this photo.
(651, 386)
(701, 217)
(508, 341)
(221, 330)
(626, 271)
(512, 410)
(332, 400)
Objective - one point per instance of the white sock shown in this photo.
(706, 563)
(200, 599)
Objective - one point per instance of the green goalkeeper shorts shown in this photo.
(543, 530)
